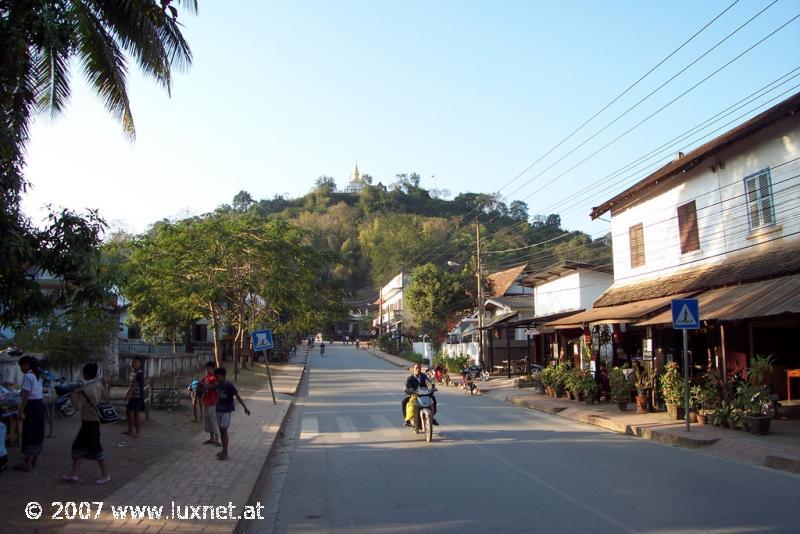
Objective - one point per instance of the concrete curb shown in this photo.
(661, 432)
(389, 358)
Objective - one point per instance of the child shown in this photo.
(135, 398)
(87, 443)
(226, 392)
(208, 389)
(194, 398)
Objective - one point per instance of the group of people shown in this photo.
(217, 396)
(31, 413)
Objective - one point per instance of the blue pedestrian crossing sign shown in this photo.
(685, 314)
(262, 339)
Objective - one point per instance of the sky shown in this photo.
(468, 94)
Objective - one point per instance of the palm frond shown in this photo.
(103, 64)
(51, 74)
(135, 25)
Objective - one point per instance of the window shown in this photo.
(636, 233)
(687, 225)
(758, 191)
(200, 333)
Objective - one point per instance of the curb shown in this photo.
(650, 431)
(386, 359)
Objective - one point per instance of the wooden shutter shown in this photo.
(687, 225)
(636, 235)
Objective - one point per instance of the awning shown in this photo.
(623, 313)
(745, 301)
(499, 319)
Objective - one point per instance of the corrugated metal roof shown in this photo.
(676, 168)
(624, 313)
(514, 302)
(499, 319)
(745, 301)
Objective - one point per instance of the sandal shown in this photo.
(103, 480)
(69, 478)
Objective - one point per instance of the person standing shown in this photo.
(208, 389)
(135, 398)
(226, 392)
(31, 411)
(87, 443)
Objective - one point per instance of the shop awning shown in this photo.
(744, 301)
(622, 313)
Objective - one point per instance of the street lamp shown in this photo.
(451, 263)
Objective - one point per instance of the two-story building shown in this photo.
(722, 224)
(393, 316)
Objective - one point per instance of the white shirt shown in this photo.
(32, 385)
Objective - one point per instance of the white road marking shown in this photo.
(310, 428)
(347, 430)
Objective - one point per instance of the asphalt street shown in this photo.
(347, 464)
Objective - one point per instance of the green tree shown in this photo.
(437, 297)
(38, 41)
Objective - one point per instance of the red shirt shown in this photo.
(209, 383)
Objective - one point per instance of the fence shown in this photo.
(452, 350)
(157, 365)
(139, 346)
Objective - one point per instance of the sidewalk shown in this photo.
(394, 360)
(193, 476)
(780, 449)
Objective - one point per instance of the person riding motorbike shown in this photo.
(322, 349)
(415, 380)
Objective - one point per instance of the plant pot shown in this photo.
(537, 388)
(692, 416)
(725, 422)
(702, 419)
(570, 395)
(623, 406)
(758, 425)
(641, 404)
(579, 396)
(588, 399)
(676, 412)
(559, 393)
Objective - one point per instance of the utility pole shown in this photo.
(480, 290)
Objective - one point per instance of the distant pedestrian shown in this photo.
(87, 443)
(226, 392)
(135, 398)
(322, 349)
(31, 411)
(208, 390)
(358, 344)
(194, 397)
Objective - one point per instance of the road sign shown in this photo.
(685, 314)
(262, 339)
(532, 332)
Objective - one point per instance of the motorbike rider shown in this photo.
(415, 380)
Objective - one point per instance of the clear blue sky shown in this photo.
(467, 94)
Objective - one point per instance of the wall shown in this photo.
(457, 349)
(721, 207)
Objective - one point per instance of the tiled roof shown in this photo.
(747, 267)
(502, 280)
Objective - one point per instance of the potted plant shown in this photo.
(620, 388)
(723, 415)
(575, 384)
(548, 380)
(754, 408)
(588, 386)
(562, 373)
(672, 390)
(643, 381)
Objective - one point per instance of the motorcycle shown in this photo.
(422, 403)
(63, 402)
(476, 370)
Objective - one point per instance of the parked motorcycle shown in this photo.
(477, 370)
(422, 404)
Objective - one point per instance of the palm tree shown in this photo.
(39, 39)
(43, 36)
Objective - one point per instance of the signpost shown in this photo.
(262, 340)
(685, 316)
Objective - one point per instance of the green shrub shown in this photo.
(620, 387)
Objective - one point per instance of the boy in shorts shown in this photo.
(226, 392)
(208, 389)
(135, 399)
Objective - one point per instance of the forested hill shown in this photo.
(379, 230)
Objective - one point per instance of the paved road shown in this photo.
(347, 465)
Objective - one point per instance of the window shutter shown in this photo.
(687, 226)
(636, 237)
(766, 199)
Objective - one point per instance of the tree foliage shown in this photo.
(438, 297)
